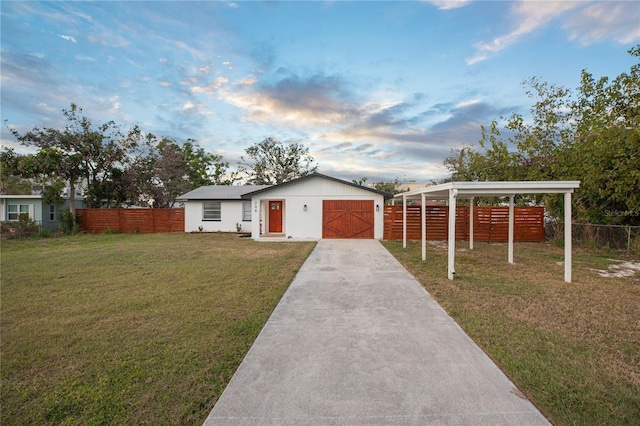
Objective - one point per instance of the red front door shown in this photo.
(275, 216)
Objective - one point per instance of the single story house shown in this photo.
(218, 208)
(45, 215)
(311, 207)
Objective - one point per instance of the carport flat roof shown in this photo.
(490, 189)
(452, 191)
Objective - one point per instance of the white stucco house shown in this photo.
(218, 208)
(315, 206)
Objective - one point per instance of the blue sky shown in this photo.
(382, 90)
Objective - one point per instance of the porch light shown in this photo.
(377, 207)
(304, 208)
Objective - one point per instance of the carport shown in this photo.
(453, 191)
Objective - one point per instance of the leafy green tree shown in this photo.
(52, 193)
(116, 167)
(271, 162)
(389, 187)
(605, 151)
(359, 181)
(165, 169)
(79, 152)
(11, 179)
(204, 168)
(592, 136)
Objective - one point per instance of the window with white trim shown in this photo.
(211, 210)
(52, 212)
(15, 210)
(246, 211)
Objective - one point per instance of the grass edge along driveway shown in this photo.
(573, 349)
(132, 328)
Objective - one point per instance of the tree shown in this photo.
(79, 152)
(592, 136)
(389, 187)
(605, 151)
(204, 168)
(11, 180)
(271, 162)
(170, 176)
(116, 167)
(359, 181)
(160, 169)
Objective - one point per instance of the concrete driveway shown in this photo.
(356, 340)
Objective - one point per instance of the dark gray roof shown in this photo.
(220, 192)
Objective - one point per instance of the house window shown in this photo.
(211, 210)
(246, 211)
(15, 210)
(52, 212)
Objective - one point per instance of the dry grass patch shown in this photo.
(573, 349)
(132, 328)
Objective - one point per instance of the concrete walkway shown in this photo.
(356, 340)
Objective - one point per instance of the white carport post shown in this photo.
(404, 221)
(511, 227)
(567, 236)
(472, 201)
(453, 193)
(423, 227)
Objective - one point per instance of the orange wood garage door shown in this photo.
(347, 219)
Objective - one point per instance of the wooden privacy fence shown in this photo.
(131, 220)
(490, 224)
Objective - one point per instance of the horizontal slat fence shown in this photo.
(131, 220)
(490, 224)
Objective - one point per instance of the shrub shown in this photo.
(68, 223)
(22, 228)
(45, 233)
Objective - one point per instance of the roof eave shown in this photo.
(249, 195)
(491, 189)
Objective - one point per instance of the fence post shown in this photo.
(628, 238)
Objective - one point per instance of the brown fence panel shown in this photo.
(436, 220)
(490, 224)
(529, 224)
(131, 220)
(169, 220)
(482, 223)
(393, 222)
(462, 223)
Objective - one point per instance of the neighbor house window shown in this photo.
(211, 210)
(52, 212)
(15, 210)
(246, 211)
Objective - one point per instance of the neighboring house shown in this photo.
(218, 208)
(311, 207)
(45, 215)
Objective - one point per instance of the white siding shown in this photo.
(230, 215)
(300, 224)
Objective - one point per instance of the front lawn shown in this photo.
(149, 329)
(573, 349)
(132, 328)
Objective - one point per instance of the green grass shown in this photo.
(149, 329)
(573, 349)
(132, 328)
